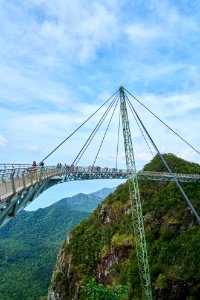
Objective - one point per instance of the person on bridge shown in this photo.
(41, 169)
(33, 170)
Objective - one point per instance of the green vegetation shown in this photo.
(29, 245)
(177, 165)
(102, 246)
(91, 290)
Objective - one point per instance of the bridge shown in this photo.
(20, 184)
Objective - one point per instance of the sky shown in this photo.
(61, 60)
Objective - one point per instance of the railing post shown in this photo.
(13, 182)
(46, 172)
(36, 174)
(23, 178)
(31, 176)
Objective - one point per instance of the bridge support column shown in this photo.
(136, 203)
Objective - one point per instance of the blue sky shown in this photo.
(60, 60)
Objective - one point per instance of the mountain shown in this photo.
(85, 202)
(29, 244)
(98, 260)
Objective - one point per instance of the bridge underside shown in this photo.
(11, 204)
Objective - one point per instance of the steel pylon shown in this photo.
(137, 216)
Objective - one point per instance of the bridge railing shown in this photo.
(79, 169)
(15, 177)
(165, 174)
(13, 166)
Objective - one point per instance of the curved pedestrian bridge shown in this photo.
(21, 184)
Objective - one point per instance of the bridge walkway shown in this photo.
(14, 180)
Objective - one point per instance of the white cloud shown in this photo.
(188, 154)
(140, 33)
(143, 156)
(57, 56)
(172, 104)
(172, 18)
(3, 141)
(32, 148)
(75, 29)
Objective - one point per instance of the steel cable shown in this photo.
(166, 165)
(139, 127)
(78, 127)
(88, 141)
(105, 133)
(163, 122)
(119, 126)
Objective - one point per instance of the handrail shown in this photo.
(14, 179)
(13, 165)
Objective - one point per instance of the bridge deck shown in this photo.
(12, 181)
(20, 186)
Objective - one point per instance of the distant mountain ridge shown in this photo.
(29, 244)
(85, 201)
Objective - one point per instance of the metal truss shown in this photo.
(137, 216)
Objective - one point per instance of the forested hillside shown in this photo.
(98, 261)
(30, 242)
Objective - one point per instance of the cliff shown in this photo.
(98, 260)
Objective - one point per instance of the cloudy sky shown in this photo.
(60, 60)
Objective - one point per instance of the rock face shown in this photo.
(99, 257)
(61, 274)
(55, 292)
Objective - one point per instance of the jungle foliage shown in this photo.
(172, 234)
(30, 242)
